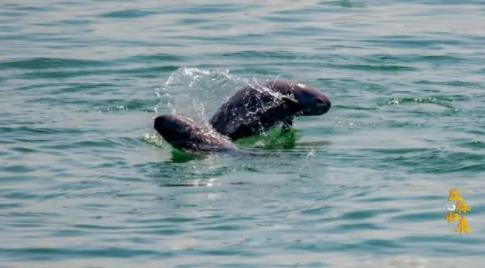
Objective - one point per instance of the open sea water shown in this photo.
(85, 182)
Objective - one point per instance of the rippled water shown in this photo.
(85, 183)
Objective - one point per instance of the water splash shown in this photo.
(195, 92)
(198, 93)
(154, 139)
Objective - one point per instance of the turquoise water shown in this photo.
(84, 182)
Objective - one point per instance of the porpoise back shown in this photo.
(256, 108)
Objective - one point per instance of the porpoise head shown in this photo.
(176, 130)
(312, 101)
(185, 134)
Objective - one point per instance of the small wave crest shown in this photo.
(437, 101)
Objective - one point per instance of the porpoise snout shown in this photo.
(311, 100)
(318, 105)
(323, 105)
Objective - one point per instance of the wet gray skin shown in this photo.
(186, 135)
(256, 108)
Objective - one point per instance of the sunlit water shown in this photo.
(85, 183)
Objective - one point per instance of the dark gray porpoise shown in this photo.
(256, 108)
(186, 135)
